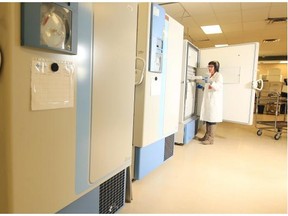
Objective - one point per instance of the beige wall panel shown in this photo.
(5, 110)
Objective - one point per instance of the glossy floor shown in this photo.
(241, 173)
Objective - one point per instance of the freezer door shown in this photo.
(238, 65)
(113, 89)
(190, 84)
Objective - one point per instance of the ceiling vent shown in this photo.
(276, 20)
(204, 40)
(271, 40)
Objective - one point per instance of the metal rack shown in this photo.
(272, 102)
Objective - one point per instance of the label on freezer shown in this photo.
(52, 84)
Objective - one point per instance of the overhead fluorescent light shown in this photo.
(283, 62)
(221, 45)
(212, 29)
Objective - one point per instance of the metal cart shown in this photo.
(270, 104)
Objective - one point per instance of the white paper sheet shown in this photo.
(155, 87)
(52, 90)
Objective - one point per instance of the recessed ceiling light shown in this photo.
(271, 40)
(221, 45)
(212, 29)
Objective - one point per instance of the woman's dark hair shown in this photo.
(216, 65)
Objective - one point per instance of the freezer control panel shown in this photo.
(156, 38)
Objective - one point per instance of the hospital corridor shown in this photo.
(143, 107)
(241, 173)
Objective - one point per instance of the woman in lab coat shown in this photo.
(212, 104)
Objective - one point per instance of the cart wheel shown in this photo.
(277, 136)
(259, 132)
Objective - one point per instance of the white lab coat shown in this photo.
(212, 103)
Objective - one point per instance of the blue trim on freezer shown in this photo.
(84, 101)
(189, 131)
(148, 158)
(157, 24)
(87, 204)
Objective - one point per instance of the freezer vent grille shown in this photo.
(169, 147)
(112, 194)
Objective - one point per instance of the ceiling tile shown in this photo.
(196, 34)
(274, 34)
(255, 14)
(174, 10)
(217, 39)
(255, 5)
(258, 25)
(252, 37)
(224, 7)
(195, 8)
(278, 10)
(236, 27)
(189, 22)
(229, 17)
(203, 44)
(209, 19)
(281, 27)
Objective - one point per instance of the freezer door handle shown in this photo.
(141, 71)
(258, 84)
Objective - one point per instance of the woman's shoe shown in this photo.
(206, 134)
(203, 138)
(209, 141)
(210, 136)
